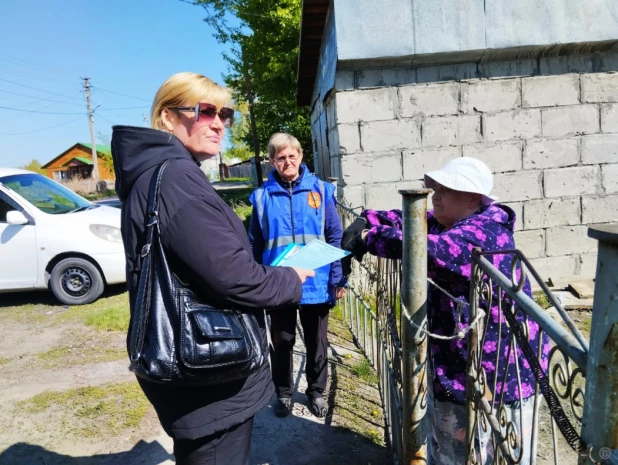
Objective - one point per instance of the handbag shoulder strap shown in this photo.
(142, 307)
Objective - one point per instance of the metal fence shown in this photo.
(385, 310)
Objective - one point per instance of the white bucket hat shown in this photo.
(464, 174)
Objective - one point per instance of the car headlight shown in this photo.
(107, 233)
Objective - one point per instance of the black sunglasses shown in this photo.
(207, 112)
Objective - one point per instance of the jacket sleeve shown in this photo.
(256, 238)
(333, 232)
(201, 241)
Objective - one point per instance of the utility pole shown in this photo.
(93, 143)
(145, 120)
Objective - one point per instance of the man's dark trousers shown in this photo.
(314, 322)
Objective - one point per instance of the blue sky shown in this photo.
(124, 46)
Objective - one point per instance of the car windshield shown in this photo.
(45, 194)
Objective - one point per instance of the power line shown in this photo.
(123, 95)
(35, 88)
(28, 76)
(41, 112)
(39, 98)
(122, 108)
(18, 60)
(43, 129)
(105, 119)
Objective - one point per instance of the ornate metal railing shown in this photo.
(371, 309)
(385, 310)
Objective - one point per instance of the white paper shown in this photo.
(315, 255)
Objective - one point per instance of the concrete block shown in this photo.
(599, 149)
(551, 153)
(555, 267)
(588, 264)
(511, 68)
(569, 240)
(570, 121)
(531, 243)
(365, 105)
(417, 163)
(377, 167)
(609, 117)
(386, 196)
(518, 124)
(451, 130)
(354, 196)
(344, 80)
(384, 77)
(519, 186)
(609, 174)
(390, 135)
(551, 213)
(599, 87)
(500, 158)
(429, 100)
(487, 96)
(456, 72)
(518, 208)
(349, 138)
(600, 209)
(550, 91)
(568, 182)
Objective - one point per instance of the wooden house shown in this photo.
(76, 163)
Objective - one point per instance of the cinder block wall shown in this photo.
(548, 129)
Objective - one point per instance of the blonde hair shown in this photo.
(186, 89)
(281, 140)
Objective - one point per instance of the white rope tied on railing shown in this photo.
(460, 333)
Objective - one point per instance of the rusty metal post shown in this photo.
(600, 420)
(414, 315)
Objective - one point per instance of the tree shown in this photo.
(264, 38)
(34, 166)
(238, 134)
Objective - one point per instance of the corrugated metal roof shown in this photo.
(313, 19)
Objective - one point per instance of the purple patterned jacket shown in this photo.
(449, 265)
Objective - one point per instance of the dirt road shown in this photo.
(68, 398)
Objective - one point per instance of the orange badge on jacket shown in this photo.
(314, 200)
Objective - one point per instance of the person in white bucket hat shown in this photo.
(465, 215)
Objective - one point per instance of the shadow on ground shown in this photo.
(143, 453)
(15, 299)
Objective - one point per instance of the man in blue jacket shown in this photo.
(294, 206)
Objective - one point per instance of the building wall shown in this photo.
(548, 129)
(104, 172)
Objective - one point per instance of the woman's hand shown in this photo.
(304, 274)
(340, 292)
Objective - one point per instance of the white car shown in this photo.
(51, 238)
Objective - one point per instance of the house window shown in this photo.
(60, 175)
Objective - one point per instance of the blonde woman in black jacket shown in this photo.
(206, 245)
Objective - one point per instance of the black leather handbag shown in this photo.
(175, 337)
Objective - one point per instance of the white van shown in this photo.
(51, 238)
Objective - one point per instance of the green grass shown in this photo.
(541, 300)
(106, 314)
(365, 372)
(58, 357)
(234, 196)
(94, 411)
(249, 180)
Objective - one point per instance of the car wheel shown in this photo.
(75, 281)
